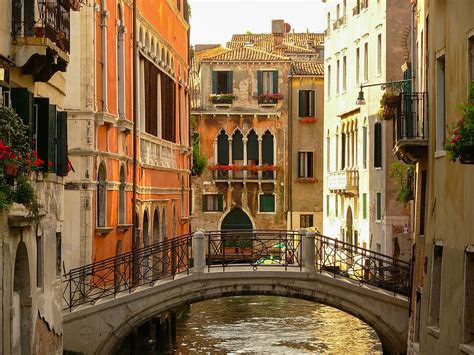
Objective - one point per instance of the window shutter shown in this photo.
(378, 145)
(259, 83)
(61, 151)
(364, 147)
(302, 104)
(310, 164)
(214, 82)
(42, 130)
(220, 202)
(229, 82)
(300, 172)
(312, 104)
(275, 81)
(52, 139)
(203, 203)
(22, 103)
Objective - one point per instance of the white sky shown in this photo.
(214, 21)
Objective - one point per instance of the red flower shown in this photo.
(50, 164)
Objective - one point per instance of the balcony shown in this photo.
(156, 152)
(344, 182)
(249, 173)
(410, 128)
(41, 36)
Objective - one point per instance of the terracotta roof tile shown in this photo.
(308, 68)
(247, 54)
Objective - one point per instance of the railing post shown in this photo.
(308, 251)
(199, 252)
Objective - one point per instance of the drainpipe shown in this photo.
(103, 26)
(414, 58)
(135, 120)
(290, 144)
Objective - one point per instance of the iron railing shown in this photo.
(255, 248)
(53, 22)
(127, 271)
(411, 120)
(244, 174)
(363, 265)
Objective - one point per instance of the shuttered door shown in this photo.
(61, 151)
(22, 103)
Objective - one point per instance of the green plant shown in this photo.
(199, 161)
(13, 132)
(222, 98)
(389, 104)
(462, 135)
(403, 174)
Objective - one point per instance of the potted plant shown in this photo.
(389, 104)
(461, 145)
(222, 98)
(269, 98)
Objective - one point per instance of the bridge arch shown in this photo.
(107, 323)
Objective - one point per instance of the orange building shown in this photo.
(100, 209)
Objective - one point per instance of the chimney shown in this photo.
(278, 29)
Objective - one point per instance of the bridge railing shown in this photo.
(363, 265)
(127, 271)
(254, 247)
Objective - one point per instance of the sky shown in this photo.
(214, 21)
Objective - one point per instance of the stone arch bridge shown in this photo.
(106, 300)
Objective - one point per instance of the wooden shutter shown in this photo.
(222, 149)
(275, 81)
(364, 147)
(310, 164)
(312, 104)
(22, 103)
(214, 82)
(267, 203)
(52, 138)
(302, 104)
(230, 79)
(61, 151)
(204, 203)
(364, 206)
(259, 83)
(220, 202)
(378, 145)
(300, 173)
(43, 130)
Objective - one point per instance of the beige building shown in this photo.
(34, 53)
(442, 312)
(242, 124)
(364, 45)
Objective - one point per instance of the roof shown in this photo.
(308, 68)
(298, 39)
(210, 52)
(249, 54)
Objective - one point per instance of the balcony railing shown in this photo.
(410, 127)
(346, 181)
(53, 22)
(243, 173)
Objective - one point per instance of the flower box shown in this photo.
(269, 98)
(305, 120)
(306, 180)
(222, 98)
(389, 105)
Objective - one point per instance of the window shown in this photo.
(378, 216)
(471, 58)
(222, 82)
(366, 61)
(327, 205)
(436, 285)
(468, 333)
(379, 54)
(338, 11)
(305, 164)
(212, 203)
(306, 103)
(101, 196)
(417, 316)
(306, 220)
(268, 154)
(120, 62)
(58, 254)
(329, 22)
(364, 205)
(39, 261)
(328, 154)
(267, 203)
(364, 147)
(168, 108)
(344, 74)
(440, 103)
(357, 69)
(267, 82)
(338, 75)
(151, 73)
(329, 81)
(344, 9)
(378, 145)
(343, 150)
(336, 205)
(122, 197)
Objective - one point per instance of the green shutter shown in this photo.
(379, 206)
(267, 203)
(52, 136)
(220, 202)
(229, 82)
(378, 145)
(364, 147)
(275, 81)
(259, 83)
(310, 164)
(61, 148)
(302, 104)
(203, 200)
(22, 103)
(364, 206)
(312, 104)
(42, 130)
(300, 173)
(214, 82)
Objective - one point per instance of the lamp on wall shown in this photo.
(399, 85)
(360, 99)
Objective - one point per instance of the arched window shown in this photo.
(146, 239)
(122, 207)
(146, 242)
(156, 227)
(120, 62)
(252, 153)
(101, 196)
(268, 154)
(237, 148)
(164, 225)
(175, 221)
(223, 149)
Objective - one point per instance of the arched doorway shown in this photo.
(349, 226)
(22, 302)
(236, 219)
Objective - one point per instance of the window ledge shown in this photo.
(440, 153)
(222, 105)
(124, 227)
(105, 118)
(267, 105)
(103, 230)
(467, 348)
(125, 125)
(433, 331)
(306, 180)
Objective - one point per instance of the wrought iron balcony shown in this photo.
(344, 182)
(410, 128)
(41, 34)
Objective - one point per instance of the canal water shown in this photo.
(271, 325)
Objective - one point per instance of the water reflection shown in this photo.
(268, 324)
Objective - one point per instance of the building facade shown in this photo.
(442, 314)
(365, 44)
(34, 54)
(242, 124)
(100, 107)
